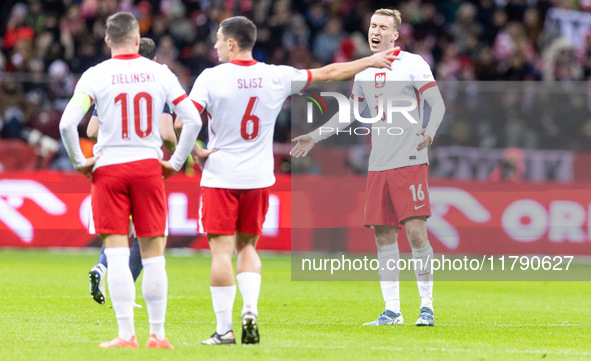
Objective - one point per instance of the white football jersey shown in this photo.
(394, 144)
(242, 100)
(130, 92)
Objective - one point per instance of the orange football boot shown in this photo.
(153, 342)
(121, 343)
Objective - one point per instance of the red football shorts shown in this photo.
(397, 194)
(227, 211)
(134, 188)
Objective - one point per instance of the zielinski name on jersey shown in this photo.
(133, 78)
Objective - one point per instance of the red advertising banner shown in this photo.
(468, 217)
(50, 209)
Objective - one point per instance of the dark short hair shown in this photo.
(241, 29)
(147, 48)
(120, 27)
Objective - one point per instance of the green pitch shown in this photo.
(46, 313)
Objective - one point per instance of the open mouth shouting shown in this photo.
(375, 42)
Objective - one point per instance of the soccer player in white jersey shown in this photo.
(242, 98)
(397, 194)
(127, 172)
(98, 273)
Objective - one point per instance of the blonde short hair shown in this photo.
(395, 14)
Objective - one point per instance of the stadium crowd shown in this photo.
(45, 45)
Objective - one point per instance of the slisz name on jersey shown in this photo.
(250, 83)
(133, 78)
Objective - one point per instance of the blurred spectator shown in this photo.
(35, 17)
(296, 34)
(511, 167)
(61, 86)
(16, 28)
(465, 26)
(14, 108)
(327, 41)
(180, 27)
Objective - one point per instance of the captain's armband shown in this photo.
(83, 100)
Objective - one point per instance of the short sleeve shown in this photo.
(422, 76)
(294, 80)
(199, 93)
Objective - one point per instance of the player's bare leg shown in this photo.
(388, 256)
(121, 289)
(223, 287)
(248, 275)
(416, 232)
(155, 288)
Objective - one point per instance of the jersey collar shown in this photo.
(397, 53)
(127, 56)
(244, 62)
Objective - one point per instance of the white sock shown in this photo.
(121, 289)
(250, 288)
(155, 290)
(223, 302)
(424, 274)
(388, 256)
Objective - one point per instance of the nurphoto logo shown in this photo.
(383, 112)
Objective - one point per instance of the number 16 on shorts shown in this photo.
(421, 205)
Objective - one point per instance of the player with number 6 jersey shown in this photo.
(242, 119)
(242, 98)
(127, 172)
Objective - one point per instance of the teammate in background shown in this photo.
(242, 99)
(397, 194)
(98, 273)
(127, 172)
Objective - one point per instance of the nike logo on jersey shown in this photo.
(378, 95)
(419, 207)
(423, 274)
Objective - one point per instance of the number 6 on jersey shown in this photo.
(249, 127)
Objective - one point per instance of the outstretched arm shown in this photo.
(342, 71)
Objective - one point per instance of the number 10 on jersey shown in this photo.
(122, 98)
